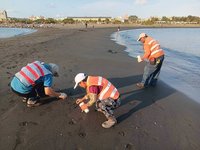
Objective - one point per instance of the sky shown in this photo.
(100, 8)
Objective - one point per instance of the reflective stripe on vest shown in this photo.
(100, 80)
(152, 48)
(113, 92)
(29, 80)
(31, 72)
(103, 92)
(151, 41)
(156, 51)
(40, 69)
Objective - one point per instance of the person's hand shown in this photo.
(139, 58)
(63, 96)
(78, 101)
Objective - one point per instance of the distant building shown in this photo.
(3, 15)
(90, 18)
(33, 18)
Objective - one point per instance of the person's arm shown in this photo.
(93, 99)
(50, 92)
(48, 80)
(92, 96)
(79, 100)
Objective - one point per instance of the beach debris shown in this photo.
(137, 127)
(155, 123)
(26, 123)
(112, 51)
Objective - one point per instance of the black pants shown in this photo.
(37, 90)
(152, 72)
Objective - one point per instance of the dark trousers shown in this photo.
(107, 106)
(37, 90)
(152, 71)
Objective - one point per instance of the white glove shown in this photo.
(139, 58)
(63, 96)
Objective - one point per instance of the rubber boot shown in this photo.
(109, 123)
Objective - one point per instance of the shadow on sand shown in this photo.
(146, 97)
(129, 94)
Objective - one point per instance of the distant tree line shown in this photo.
(133, 19)
(172, 20)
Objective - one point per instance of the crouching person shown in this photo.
(34, 81)
(101, 92)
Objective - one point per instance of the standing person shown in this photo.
(154, 56)
(34, 81)
(118, 28)
(86, 24)
(101, 92)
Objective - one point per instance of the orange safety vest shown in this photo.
(108, 90)
(154, 46)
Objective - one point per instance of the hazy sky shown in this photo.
(112, 8)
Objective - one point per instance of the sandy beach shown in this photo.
(159, 118)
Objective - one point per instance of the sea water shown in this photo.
(11, 32)
(181, 67)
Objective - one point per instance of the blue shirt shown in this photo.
(21, 88)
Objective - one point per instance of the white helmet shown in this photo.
(78, 78)
(141, 36)
(54, 69)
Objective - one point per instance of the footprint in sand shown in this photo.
(72, 122)
(129, 146)
(121, 133)
(82, 134)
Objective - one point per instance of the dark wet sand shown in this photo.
(159, 118)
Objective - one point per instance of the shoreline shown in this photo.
(21, 32)
(172, 80)
(94, 26)
(147, 119)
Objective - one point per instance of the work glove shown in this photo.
(63, 96)
(139, 58)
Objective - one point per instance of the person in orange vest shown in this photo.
(34, 81)
(154, 56)
(101, 92)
